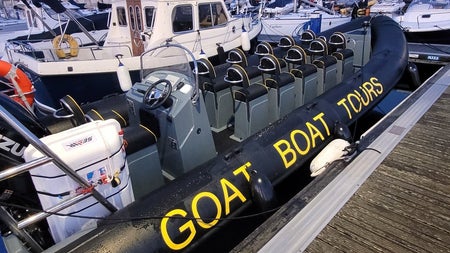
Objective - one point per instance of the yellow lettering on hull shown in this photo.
(298, 143)
(301, 142)
(230, 193)
(355, 101)
(188, 226)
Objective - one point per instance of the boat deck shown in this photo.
(393, 197)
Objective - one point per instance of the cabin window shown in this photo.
(182, 18)
(132, 19)
(211, 14)
(121, 16)
(138, 18)
(149, 16)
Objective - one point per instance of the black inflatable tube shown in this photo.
(219, 188)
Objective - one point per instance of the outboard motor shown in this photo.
(19, 190)
(13, 144)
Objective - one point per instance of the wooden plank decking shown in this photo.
(402, 204)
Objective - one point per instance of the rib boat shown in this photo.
(186, 149)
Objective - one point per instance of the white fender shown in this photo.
(245, 40)
(335, 150)
(124, 77)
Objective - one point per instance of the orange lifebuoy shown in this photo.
(21, 83)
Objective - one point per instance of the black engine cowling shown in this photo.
(12, 144)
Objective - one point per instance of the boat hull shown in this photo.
(438, 36)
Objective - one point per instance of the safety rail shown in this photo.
(17, 227)
(87, 53)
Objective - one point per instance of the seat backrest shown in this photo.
(237, 76)
(307, 37)
(269, 64)
(318, 47)
(206, 68)
(263, 48)
(296, 55)
(286, 42)
(237, 56)
(337, 41)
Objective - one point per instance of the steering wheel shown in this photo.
(155, 96)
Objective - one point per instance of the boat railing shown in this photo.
(18, 227)
(87, 53)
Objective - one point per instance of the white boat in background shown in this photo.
(280, 6)
(88, 72)
(41, 21)
(8, 25)
(11, 19)
(427, 21)
(242, 6)
(41, 16)
(293, 18)
(391, 8)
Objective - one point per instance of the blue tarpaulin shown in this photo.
(314, 24)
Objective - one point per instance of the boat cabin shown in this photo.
(140, 23)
